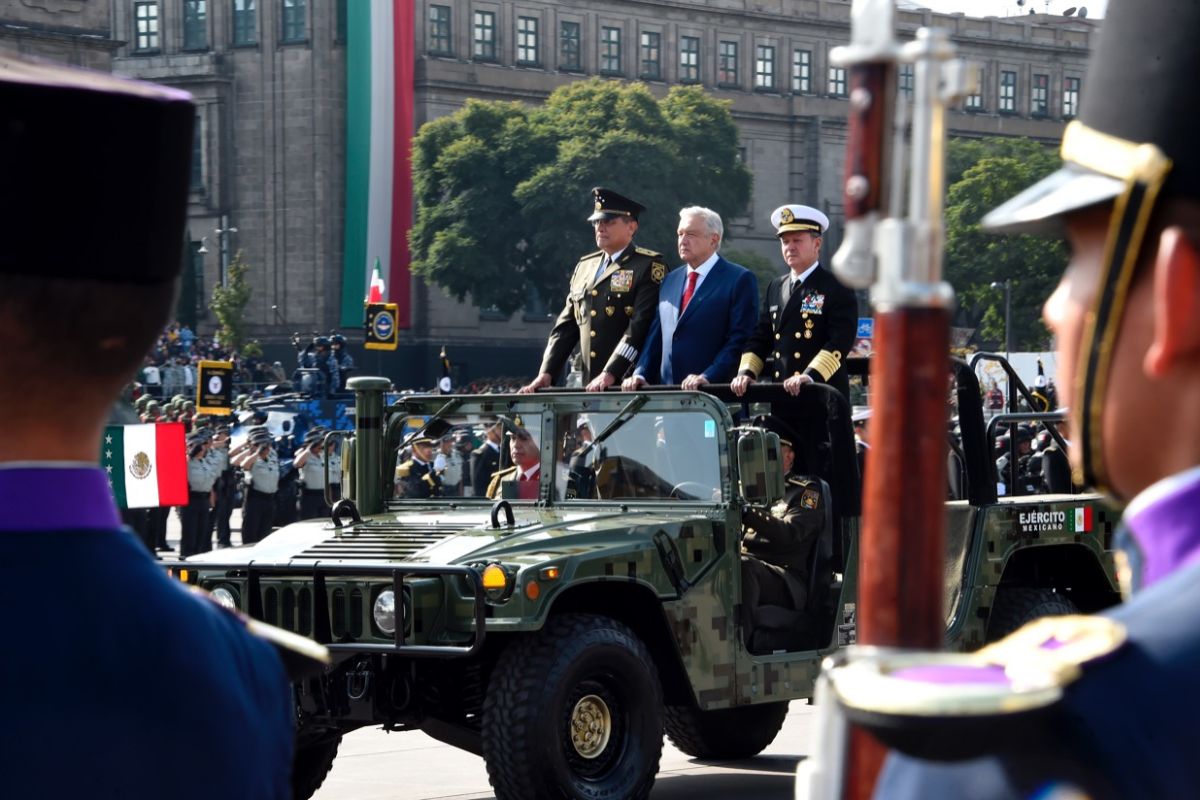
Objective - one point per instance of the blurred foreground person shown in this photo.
(177, 696)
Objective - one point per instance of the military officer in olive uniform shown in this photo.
(808, 320)
(416, 477)
(612, 300)
(201, 474)
(310, 460)
(261, 465)
(776, 553)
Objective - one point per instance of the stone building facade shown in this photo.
(269, 78)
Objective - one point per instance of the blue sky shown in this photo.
(1001, 8)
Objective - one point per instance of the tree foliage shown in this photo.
(502, 189)
(984, 173)
(228, 304)
(765, 269)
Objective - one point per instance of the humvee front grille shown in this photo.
(375, 542)
(290, 606)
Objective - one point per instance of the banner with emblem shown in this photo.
(381, 326)
(214, 388)
(146, 465)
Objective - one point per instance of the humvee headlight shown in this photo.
(225, 597)
(497, 584)
(385, 611)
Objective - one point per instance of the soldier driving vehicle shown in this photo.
(560, 628)
(611, 301)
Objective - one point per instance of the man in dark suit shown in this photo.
(808, 320)
(178, 684)
(485, 460)
(706, 311)
(611, 301)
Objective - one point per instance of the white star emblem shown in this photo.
(108, 440)
(108, 469)
(108, 453)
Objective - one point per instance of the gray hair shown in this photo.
(712, 220)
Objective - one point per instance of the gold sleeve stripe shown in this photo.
(826, 363)
(751, 362)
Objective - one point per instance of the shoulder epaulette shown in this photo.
(404, 469)
(645, 251)
(592, 254)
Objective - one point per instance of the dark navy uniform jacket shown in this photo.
(120, 682)
(810, 328)
(1128, 728)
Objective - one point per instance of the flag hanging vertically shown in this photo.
(445, 385)
(146, 465)
(380, 58)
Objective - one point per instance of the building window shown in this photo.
(569, 47)
(802, 71)
(340, 22)
(1070, 97)
(439, 30)
(245, 22)
(689, 59)
(727, 64)
(651, 55)
(294, 21)
(764, 67)
(145, 17)
(610, 51)
(1008, 92)
(195, 24)
(197, 181)
(483, 46)
(527, 40)
(837, 81)
(1039, 103)
(906, 78)
(975, 101)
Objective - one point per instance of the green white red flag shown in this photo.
(146, 464)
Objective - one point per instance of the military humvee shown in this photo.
(560, 637)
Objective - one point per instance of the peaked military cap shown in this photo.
(777, 426)
(793, 217)
(124, 183)
(609, 205)
(1134, 142)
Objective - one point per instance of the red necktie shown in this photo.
(693, 276)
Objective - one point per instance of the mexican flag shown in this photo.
(1080, 521)
(146, 464)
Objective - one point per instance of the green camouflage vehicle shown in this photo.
(561, 637)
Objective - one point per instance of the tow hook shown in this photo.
(358, 682)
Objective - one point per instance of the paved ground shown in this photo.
(373, 765)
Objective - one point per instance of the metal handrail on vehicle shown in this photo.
(322, 625)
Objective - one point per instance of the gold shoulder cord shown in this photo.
(1144, 169)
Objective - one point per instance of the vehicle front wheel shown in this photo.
(574, 711)
(311, 764)
(727, 733)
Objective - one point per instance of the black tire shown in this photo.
(1015, 607)
(725, 734)
(585, 669)
(311, 765)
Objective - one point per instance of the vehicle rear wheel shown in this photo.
(1017, 606)
(725, 734)
(311, 765)
(574, 711)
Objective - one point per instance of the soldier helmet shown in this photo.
(321, 341)
(337, 340)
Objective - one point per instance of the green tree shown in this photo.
(502, 189)
(228, 304)
(986, 173)
(763, 268)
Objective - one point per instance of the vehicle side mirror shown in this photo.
(760, 466)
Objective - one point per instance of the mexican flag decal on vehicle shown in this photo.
(1081, 521)
(146, 464)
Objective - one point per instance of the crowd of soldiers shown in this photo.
(323, 365)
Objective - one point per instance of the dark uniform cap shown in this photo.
(610, 205)
(104, 157)
(777, 426)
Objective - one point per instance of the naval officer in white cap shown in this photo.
(809, 319)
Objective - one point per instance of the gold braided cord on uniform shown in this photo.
(752, 363)
(1144, 168)
(826, 363)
